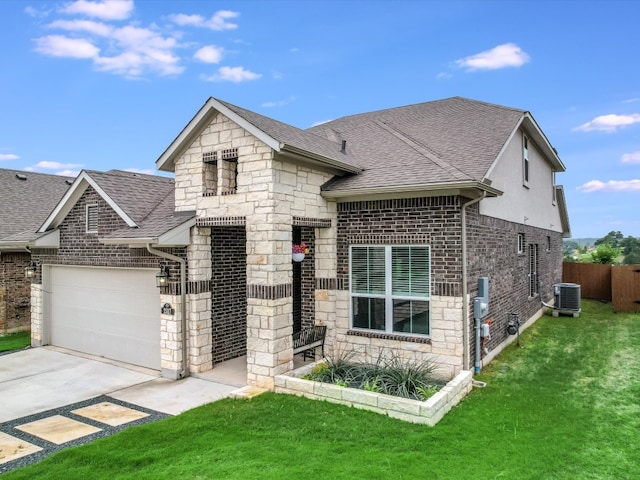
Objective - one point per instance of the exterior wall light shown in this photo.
(162, 277)
(30, 270)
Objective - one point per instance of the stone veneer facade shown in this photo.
(267, 197)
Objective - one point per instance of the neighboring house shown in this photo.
(402, 209)
(26, 199)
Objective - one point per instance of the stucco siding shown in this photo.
(532, 204)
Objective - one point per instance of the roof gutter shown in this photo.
(420, 189)
(183, 303)
(465, 301)
(319, 159)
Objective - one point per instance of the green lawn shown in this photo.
(566, 404)
(15, 341)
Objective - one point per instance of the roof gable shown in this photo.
(277, 135)
(132, 196)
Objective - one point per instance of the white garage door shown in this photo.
(110, 312)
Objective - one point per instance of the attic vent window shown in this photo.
(19, 176)
(92, 219)
(230, 154)
(229, 171)
(210, 157)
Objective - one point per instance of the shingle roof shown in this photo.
(450, 140)
(295, 137)
(147, 199)
(160, 220)
(24, 204)
(136, 194)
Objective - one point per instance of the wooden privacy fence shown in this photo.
(618, 284)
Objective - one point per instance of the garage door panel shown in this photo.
(109, 312)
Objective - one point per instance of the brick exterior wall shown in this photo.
(432, 220)
(493, 251)
(228, 293)
(15, 292)
(77, 247)
(304, 311)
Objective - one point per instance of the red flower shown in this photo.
(302, 248)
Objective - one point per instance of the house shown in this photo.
(26, 199)
(402, 210)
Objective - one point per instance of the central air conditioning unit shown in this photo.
(567, 299)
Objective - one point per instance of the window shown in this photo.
(548, 243)
(390, 288)
(553, 188)
(92, 219)
(533, 270)
(210, 173)
(525, 161)
(520, 243)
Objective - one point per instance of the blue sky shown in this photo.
(109, 84)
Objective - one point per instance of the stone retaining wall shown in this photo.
(428, 412)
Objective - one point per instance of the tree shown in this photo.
(605, 254)
(631, 250)
(612, 238)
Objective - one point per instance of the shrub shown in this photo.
(389, 374)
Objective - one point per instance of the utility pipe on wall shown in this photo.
(465, 303)
(183, 303)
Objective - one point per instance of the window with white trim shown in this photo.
(390, 288)
(520, 243)
(533, 270)
(525, 161)
(92, 219)
(553, 188)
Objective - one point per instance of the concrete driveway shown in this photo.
(41, 379)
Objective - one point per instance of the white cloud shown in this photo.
(8, 156)
(631, 100)
(232, 74)
(136, 50)
(633, 157)
(36, 13)
(209, 54)
(611, 186)
(55, 166)
(443, 76)
(89, 26)
(106, 9)
(218, 20)
(502, 56)
(133, 50)
(61, 46)
(279, 103)
(609, 123)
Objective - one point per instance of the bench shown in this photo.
(306, 340)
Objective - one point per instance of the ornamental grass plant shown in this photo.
(388, 373)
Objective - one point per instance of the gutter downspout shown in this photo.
(465, 303)
(183, 302)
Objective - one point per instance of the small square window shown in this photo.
(92, 219)
(520, 243)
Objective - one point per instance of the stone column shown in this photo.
(37, 319)
(199, 300)
(269, 293)
(171, 338)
